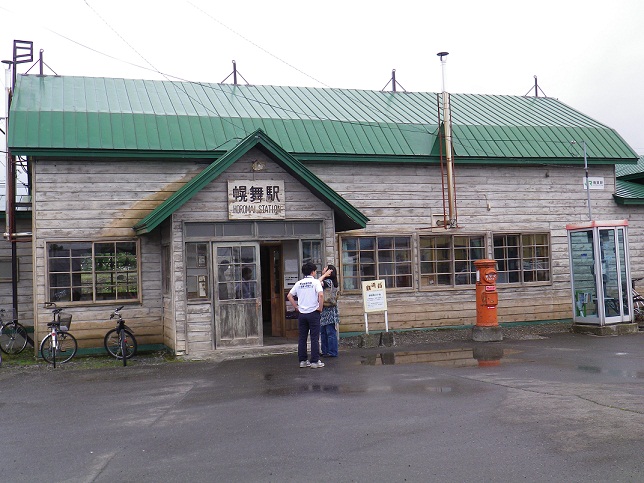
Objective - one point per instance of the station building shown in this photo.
(158, 195)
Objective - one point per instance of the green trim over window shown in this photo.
(346, 216)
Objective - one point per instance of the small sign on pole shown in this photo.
(374, 297)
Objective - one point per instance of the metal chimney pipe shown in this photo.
(447, 129)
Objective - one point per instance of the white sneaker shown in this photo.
(304, 364)
(317, 365)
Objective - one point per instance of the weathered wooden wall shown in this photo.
(401, 199)
(90, 200)
(79, 200)
(195, 318)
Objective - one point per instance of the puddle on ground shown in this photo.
(489, 356)
(612, 372)
(311, 388)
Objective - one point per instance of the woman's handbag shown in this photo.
(330, 296)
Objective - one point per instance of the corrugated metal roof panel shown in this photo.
(628, 193)
(138, 116)
(630, 171)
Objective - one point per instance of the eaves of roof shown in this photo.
(346, 216)
(630, 172)
(628, 193)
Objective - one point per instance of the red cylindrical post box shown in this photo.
(487, 297)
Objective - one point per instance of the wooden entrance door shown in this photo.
(276, 289)
(238, 301)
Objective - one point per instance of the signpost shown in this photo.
(374, 298)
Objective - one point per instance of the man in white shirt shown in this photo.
(310, 299)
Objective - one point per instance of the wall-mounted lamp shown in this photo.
(258, 165)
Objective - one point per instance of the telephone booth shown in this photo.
(600, 272)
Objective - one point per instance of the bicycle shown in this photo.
(120, 341)
(638, 302)
(59, 344)
(13, 336)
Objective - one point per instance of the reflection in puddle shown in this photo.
(439, 389)
(310, 388)
(612, 372)
(484, 356)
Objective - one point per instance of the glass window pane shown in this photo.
(200, 229)
(367, 243)
(304, 228)
(349, 244)
(385, 243)
(455, 256)
(390, 261)
(237, 229)
(86, 271)
(267, 228)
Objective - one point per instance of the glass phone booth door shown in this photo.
(600, 272)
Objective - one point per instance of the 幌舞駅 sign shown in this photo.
(262, 199)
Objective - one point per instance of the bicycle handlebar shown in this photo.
(116, 312)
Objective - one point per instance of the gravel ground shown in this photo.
(414, 337)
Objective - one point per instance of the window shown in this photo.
(385, 258)
(237, 272)
(312, 252)
(93, 271)
(447, 260)
(522, 258)
(197, 270)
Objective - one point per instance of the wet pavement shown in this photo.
(561, 407)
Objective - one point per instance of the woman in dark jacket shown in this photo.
(329, 319)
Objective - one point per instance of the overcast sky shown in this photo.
(588, 54)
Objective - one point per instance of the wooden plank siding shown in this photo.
(101, 200)
(211, 205)
(521, 200)
(94, 200)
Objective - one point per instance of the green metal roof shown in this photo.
(346, 216)
(628, 193)
(630, 172)
(84, 116)
(629, 183)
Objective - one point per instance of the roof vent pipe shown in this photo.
(447, 129)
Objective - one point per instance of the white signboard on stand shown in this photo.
(374, 297)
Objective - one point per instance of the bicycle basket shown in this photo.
(65, 320)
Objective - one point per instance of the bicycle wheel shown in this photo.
(113, 344)
(67, 347)
(123, 346)
(13, 338)
(47, 350)
(638, 310)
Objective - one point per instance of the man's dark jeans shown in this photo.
(309, 323)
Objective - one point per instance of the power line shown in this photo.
(256, 45)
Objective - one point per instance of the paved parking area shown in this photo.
(565, 407)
